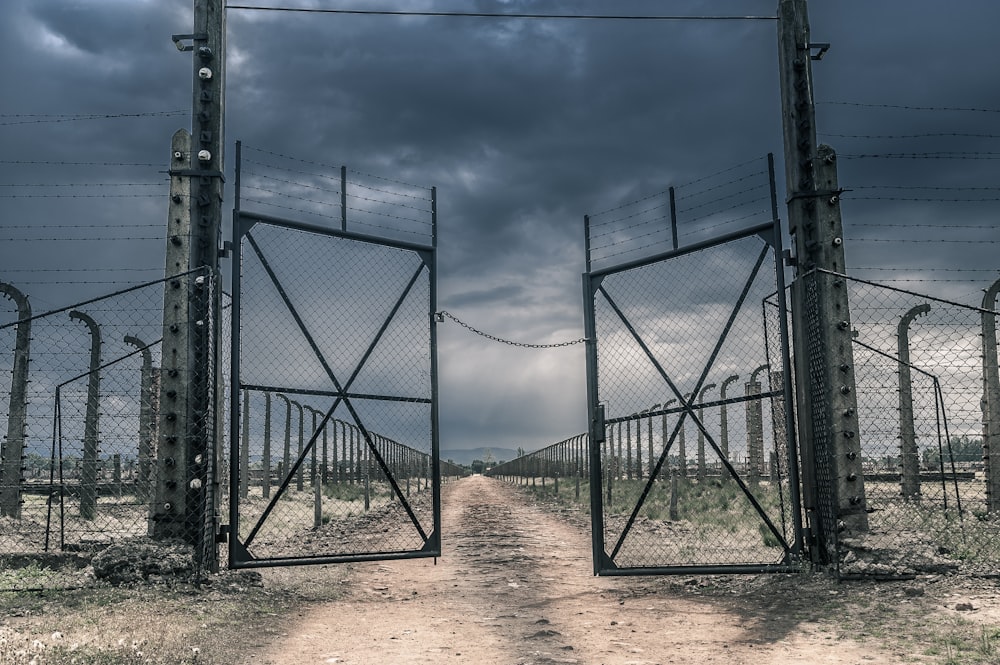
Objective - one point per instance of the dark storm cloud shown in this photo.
(523, 126)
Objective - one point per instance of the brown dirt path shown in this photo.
(515, 586)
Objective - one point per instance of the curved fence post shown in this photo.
(147, 421)
(88, 469)
(909, 457)
(12, 452)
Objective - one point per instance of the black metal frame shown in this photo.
(604, 563)
(240, 555)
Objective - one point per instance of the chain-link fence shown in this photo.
(335, 366)
(694, 458)
(561, 470)
(81, 403)
(923, 415)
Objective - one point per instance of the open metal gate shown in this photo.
(693, 455)
(334, 444)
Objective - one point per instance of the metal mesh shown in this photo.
(86, 474)
(921, 411)
(700, 317)
(322, 476)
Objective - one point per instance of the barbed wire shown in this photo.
(331, 166)
(924, 155)
(909, 108)
(444, 313)
(80, 226)
(679, 186)
(721, 185)
(84, 184)
(56, 163)
(725, 223)
(978, 241)
(38, 118)
(928, 135)
(386, 191)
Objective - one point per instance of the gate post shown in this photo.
(824, 358)
(188, 446)
(12, 452)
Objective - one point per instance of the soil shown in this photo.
(515, 585)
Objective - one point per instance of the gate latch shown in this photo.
(223, 535)
(599, 423)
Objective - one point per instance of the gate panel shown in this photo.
(690, 391)
(335, 454)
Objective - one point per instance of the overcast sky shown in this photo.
(524, 126)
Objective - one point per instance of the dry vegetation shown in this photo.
(939, 618)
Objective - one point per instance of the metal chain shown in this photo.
(524, 345)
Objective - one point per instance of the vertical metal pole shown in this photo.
(300, 474)
(12, 451)
(244, 467)
(909, 456)
(823, 349)
(628, 448)
(435, 538)
(239, 484)
(673, 217)
(265, 463)
(794, 489)
(343, 198)
(991, 398)
(596, 428)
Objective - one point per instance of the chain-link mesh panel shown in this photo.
(336, 454)
(922, 415)
(694, 461)
(81, 450)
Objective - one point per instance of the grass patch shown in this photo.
(221, 622)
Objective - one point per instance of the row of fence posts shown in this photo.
(339, 456)
(622, 450)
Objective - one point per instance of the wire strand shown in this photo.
(592, 17)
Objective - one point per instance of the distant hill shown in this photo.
(467, 456)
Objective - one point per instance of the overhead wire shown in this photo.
(497, 15)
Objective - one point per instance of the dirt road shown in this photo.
(515, 586)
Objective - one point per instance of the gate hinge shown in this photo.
(223, 535)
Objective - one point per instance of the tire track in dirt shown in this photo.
(515, 586)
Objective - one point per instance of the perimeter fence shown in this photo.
(926, 376)
(80, 399)
(928, 397)
(81, 405)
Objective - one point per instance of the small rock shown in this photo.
(544, 633)
(913, 592)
